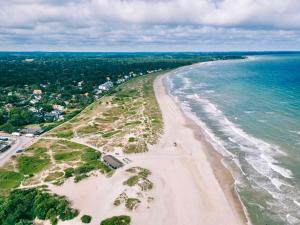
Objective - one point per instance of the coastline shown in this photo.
(221, 173)
(190, 186)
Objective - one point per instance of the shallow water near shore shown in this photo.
(250, 111)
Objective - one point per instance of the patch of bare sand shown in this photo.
(187, 181)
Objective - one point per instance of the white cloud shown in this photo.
(159, 23)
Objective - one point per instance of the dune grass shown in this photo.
(10, 179)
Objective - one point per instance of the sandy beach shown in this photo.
(191, 186)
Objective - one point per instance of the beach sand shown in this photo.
(191, 186)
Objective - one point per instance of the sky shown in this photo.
(149, 25)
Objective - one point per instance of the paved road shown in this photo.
(19, 143)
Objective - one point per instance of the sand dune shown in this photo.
(187, 185)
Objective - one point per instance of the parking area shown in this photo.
(11, 144)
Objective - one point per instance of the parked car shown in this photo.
(20, 151)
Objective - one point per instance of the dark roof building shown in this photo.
(112, 161)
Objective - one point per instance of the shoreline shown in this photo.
(222, 174)
(188, 183)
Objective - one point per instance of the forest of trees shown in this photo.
(57, 75)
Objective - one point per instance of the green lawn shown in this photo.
(32, 164)
(65, 134)
(67, 156)
(10, 179)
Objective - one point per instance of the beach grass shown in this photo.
(32, 164)
(10, 179)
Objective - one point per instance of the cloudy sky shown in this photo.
(149, 25)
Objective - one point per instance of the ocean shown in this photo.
(250, 112)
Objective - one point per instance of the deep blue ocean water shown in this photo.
(250, 110)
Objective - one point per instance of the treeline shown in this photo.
(66, 69)
(58, 76)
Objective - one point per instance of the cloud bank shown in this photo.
(149, 25)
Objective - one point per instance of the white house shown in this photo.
(106, 86)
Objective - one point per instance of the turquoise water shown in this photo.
(250, 110)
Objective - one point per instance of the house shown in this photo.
(33, 109)
(120, 80)
(106, 86)
(80, 83)
(53, 115)
(58, 108)
(34, 101)
(29, 60)
(37, 92)
(112, 161)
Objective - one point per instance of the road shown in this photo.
(19, 143)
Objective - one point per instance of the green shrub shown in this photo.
(131, 139)
(69, 172)
(86, 219)
(80, 177)
(84, 168)
(90, 155)
(116, 220)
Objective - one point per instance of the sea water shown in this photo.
(250, 111)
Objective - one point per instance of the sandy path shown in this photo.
(186, 190)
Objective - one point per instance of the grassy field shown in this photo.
(128, 118)
(50, 161)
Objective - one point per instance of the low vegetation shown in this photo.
(86, 219)
(127, 118)
(117, 220)
(50, 161)
(131, 109)
(132, 203)
(10, 179)
(140, 178)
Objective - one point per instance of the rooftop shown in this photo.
(112, 161)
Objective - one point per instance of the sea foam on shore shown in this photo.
(257, 160)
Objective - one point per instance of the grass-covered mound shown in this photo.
(116, 220)
(22, 206)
